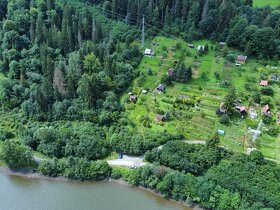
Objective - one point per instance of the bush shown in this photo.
(273, 131)
(225, 119)
(178, 46)
(251, 123)
(267, 120)
(183, 157)
(265, 100)
(231, 58)
(164, 54)
(76, 168)
(217, 75)
(16, 155)
(4, 135)
(202, 114)
(150, 72)
(267, 91)
(116, 174)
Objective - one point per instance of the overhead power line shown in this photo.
(133, 19)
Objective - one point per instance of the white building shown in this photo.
(148, 52)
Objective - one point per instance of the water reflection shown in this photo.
(28, 194)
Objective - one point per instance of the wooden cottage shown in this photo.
(222, 45)
(170, 72)
(161, 87)
(200, 48)
(243, 110)
(241, 59)
(222, 108)
(191, 46)
(132, 98)
(264, 83)
(159, 118)
(148, 52)
(266, 111)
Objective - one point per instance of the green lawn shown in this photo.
(194, 125)
(262, 3)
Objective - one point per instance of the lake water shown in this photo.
(19, 193)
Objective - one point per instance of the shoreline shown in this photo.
(28, 174)
(31, 175)
(125, 183)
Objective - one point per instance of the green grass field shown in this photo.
(194, 125)
(262, 3)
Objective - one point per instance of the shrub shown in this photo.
(273, 131)
(251, 123)
(178, 46)
(225, 119)
(4, 135)
(16, 155)
(202, 114)
(217, 75)
(265, 100)
(267, 119)
(116, 174)
(267, 91)
(164, 54)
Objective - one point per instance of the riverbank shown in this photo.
(125, 183)
(29, 174)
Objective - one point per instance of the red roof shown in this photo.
(265, 109)
(242, 109)
(159, 118)
(263, 83)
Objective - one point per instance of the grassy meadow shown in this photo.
(204, 87)
(262, 3)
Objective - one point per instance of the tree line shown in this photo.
(59, 59)
(235, 181)
(253, 30)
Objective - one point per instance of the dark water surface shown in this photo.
(20, 193)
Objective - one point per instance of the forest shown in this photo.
(254, 30)
(65, 66)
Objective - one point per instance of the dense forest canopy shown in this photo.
(239, 182)
(254, 30)
(65, 63)
(54, 53)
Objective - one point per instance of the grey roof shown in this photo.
(161, 87)
(242, 57)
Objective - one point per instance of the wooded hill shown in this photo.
(254, 30)
(64, 65)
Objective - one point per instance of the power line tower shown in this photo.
(143, 31)
(110, 39)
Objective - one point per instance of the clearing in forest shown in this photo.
(191, 106)
(262, 3)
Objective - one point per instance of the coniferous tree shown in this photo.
(229, 102)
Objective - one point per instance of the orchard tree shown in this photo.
(230, 99)
(213, 141)
(249, 2)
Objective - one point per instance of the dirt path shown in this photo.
(128, 161)
(195, 142)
